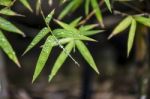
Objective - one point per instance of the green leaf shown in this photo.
(121, 26)
(49, 17)
(7, 48)
(47, 47)
(37, 39)
(87, 4)
(9, 12)
(5, 2)
(75, 22)
(131, 36)
(92, 32)
(68, 33)
(66, 26)
(26, 4)
(86, 54)
(60, 60)
(88, 27)
(143, 20)
(108, 4)
(97, 12)
(73, 5)
(38, 4)
(6, 25)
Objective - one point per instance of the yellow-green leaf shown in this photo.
(49, 17)
(37, 39)
(121, 26)
(87, 4)
(7, 26)
(108, 4)
(26, 4)
(131, 36)
(143, 20)
(5, 2)
(7, 48)
(46, 49)
(97, 12)
(60, 60)
(75, 22)
(86, 54)
(9, 12)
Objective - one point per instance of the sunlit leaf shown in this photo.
(49, 17)
(26, 4)
(86, 54)
(37, 39)
(71, 34)
(131, 36)
(87, 4)
(60, 60)
(6, 47)
(46, 49)
(5, 2)
(121, 26)
(108, 4)
(7, 26)
(9, 12)
(143, 20)
(97, 12)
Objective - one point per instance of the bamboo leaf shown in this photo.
(143, 20)
(131, 36)
(87, 4)
(7, 48)
(71, 34)
(26, 4)
(97, 12)
(38, 4)
(86, 54)
(121, 26)
(5, 2)
(92, 32)
(60, 60)
(6, 25)
(47, 47)
(37, 39)
(49, 17)
(75, 22)
(108, 4)
(9, 12)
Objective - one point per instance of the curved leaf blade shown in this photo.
(131, 36)
(47, 47)
(108, 4)
(26, 4)
(60, 60)
(97, 11)
(86, 54)
(7, 48)
(121, 26)
(143, 20)
(7, 26)
(37, 39)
